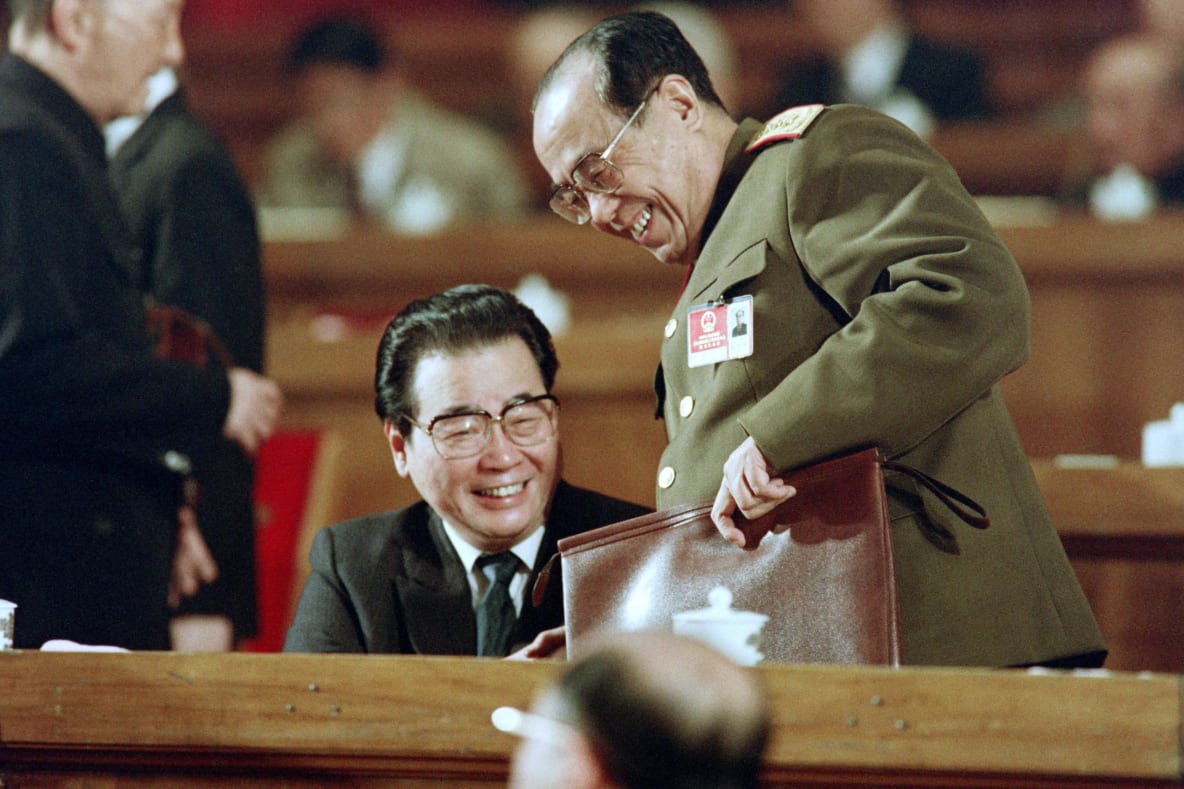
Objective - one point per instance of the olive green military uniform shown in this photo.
(885, 311)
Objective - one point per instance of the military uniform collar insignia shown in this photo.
(788, 125)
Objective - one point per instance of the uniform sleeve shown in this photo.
(938, 308)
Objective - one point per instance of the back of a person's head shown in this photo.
(343, 41)
(666, 712)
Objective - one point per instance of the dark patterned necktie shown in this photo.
(495, 612)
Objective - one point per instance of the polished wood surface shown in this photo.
(1123, 528)
(1107, 318)
(161, 719)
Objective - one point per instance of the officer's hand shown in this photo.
(748, 486)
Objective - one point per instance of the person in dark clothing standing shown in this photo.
(194, 225)
(97, 430)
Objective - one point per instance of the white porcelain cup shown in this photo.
(7, 620)
(737, 634)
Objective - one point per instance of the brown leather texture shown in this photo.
(820, 566)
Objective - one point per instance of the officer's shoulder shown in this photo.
(788, 125)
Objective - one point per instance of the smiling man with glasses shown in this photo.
(880, 308)
(463, 388)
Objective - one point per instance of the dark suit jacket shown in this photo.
(194, 225)
(949, 81)
(88, 415)
(392, 583)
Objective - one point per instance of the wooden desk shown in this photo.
(161, 719)
(1107, 318)
(1123, 529)
(364, 266)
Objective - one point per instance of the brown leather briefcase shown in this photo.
(820, 566)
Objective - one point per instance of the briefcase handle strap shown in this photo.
(959, 503)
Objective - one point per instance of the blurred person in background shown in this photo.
(194, 226)
(98, 433)
(367, 142)
(1133, 88)
(873, 57)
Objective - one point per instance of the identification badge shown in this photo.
(719, 331)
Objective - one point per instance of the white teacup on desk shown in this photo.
(7, 623)
(737, 634)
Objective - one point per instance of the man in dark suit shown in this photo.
(194, 225)
(463, 389)
(95, 428)
(871, 56)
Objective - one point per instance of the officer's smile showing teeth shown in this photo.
(642, 222)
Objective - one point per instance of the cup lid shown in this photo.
(720, 610)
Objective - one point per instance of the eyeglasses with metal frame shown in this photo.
(527, 422)
(593, 173)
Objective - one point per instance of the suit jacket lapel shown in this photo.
(434, 595)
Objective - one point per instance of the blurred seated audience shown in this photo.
(642, 710)
(532, 45)
(1134, 96)
(873, 57)
(463, 389)
(366, 141)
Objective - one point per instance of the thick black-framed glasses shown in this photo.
(527, 423)
(593, 173)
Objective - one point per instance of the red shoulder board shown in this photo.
(788, 125)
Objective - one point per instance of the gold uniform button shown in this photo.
(666, 477)
(671, 327)
(686, 406)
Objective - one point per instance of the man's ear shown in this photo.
(398, 445)
(676, 92)
(72, 22)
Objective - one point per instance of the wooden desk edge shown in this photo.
(341, 715)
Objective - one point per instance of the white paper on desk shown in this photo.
(65, 645)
